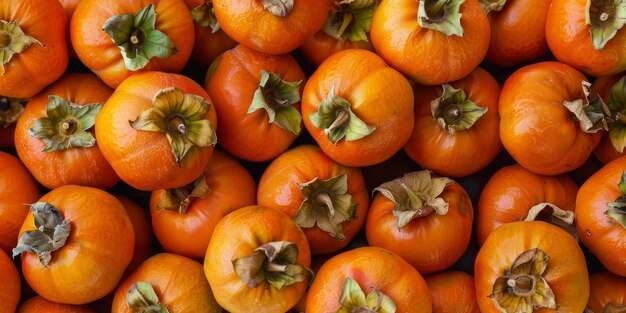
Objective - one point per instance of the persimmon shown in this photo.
(257, 99)
(514, 193)
(612, 90)
(327, 200)
(357, 108)
(33, 46)
(144, 238)
(71, 233)
(608, 293)
(165, 283)
(419, 210)
(452, 291)
(9, 284)
(271, 26)
(116, 39)
(54, 135)
(449, 37)
(368, 279)
(157, 130)
(531, 267)
(548, 123)
(257, 261)
(39, 304)
(456, 130)
(184, 218)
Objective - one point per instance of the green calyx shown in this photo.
(138, 39)
(590, 114)
(273, 263)
(617, 208)
(13, 41)
(277, 97)
(179, 199)
(441, 15)
(141, 298)
(205, 16)
(522, 288)
(327, 205)
(353, 300)
(279, 8)
(492, 5)
(51, 233)
(337, 120)
(453, 111)
(605, 18)
(65, 125)
(10, 110)
(351, 20)
(181, 117)
(617, 121)
(415, 194)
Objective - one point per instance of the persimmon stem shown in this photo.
(342, 118)
(273, 267)
(137, 37)
(177, 124)
(69, 127)
(5, 40)
(621, 117)
(324, 198)
(604, 16)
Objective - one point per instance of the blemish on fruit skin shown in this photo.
(587, 233)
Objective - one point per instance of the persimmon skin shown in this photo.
(39, 65)
(321, 46)
(535, 127)
(452, 291)
(373, 268)
(513, 190)
(144, 159)
(467, 151)
(144, 237)
(9, 284)
(606, 287)
(231, 187)
(39, 304)
(367, 82)
(398, 38)
(85, 166)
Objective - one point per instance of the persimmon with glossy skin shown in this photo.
(245, 127)
(612, 90)
(35, 51)
(96, 49)
(99, 246)
(18, 189)
(39, 304)
(178, 283)
(57, 156)
(373, 269)
(513, 191)
(300, 183)
(536, 128)
(452, 291)
(9, 284)
(401, 38)
(461, 136)
(271, 26)
(238, 266)
(557, 261)
(186, 228)
(357, 108)
(144, 238)
(607, 291)
(600, 216)
(145, 159)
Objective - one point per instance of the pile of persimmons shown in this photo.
(318, 156)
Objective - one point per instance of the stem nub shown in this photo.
(176, 124)
(5, 40)
(343, 116)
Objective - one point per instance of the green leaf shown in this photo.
(441, 15)
(617, 134)
(13, 41)
(205, 16)
(351, 21)
(277, 98)
(353, 299)
(605, 18)
(453, 111)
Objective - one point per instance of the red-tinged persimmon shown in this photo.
(431, 41)
(518, 30)
(54, 135)
(608, 293)
(612, 90)
(418, 210)
(257, 99)
(10, 111)
(452, 291)
(18, 189)
(143, 232)
(368, 279)
(39, 304)
(33, 46)
(271, 26)
(184, 218)
(9, 284)
(157, 130)
(588, 35)
(456, 130)
(327, 200)
(165, 283)
(257, 261)
(531, 267)
(601, 215)
(71, 233)
(514, 193)
(116, 39)
(547, 123)
(357, 108)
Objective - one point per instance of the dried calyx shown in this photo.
(179, 199)
(605, 18)
(10, 110)
(554, 215)
(590, 114)
(278, 97)
(441, 15)
(353, 300)
(205, 16)
(453, 111)
(351, 20)
(13, 41)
